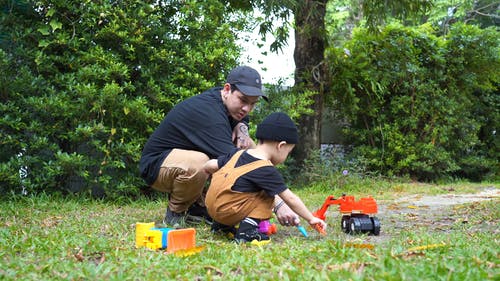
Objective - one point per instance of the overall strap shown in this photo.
(232, 162)
(243, 169)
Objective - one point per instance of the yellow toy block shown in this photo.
(140, 233)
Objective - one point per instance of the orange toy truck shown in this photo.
(357, 216)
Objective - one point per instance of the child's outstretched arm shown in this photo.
(211, 166)
(294, 202)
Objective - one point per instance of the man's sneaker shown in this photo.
(174, 219)
(248, 232)
(226, 230)
(197, 214)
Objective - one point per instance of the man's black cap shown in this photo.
(247, 80)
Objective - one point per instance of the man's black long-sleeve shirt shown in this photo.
(199, 123)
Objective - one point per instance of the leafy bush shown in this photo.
(85, 83)
(416, 103)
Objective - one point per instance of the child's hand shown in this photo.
(318, 224)
(286, 216)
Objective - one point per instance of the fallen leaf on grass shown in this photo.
(359, 245)
(418, 251)
(217, 271)
(412, 216)
(189, 252)
(97, 257)
(79, 255)
(411, 255)
(426, 247)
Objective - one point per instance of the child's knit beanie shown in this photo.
(277, 126)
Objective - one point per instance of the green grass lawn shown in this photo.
(54, 238)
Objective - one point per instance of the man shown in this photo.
(202, 127)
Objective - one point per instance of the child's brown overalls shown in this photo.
(229, 207)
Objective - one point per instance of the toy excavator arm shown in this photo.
(330, 200)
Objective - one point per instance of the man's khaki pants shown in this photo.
(181, 175)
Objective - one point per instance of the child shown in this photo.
(243, 189)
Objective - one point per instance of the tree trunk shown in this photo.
(309, 71)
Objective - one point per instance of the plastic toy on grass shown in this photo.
(173, 240)
(266, 227)
(269, 228)
(302, 230)
(319, 229)
(357, 216)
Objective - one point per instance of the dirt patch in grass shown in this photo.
(439, 213)
(450, 199)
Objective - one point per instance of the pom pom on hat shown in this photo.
(278, 126)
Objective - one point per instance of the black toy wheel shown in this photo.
(354, 226)
(376, 226)
(344, 224)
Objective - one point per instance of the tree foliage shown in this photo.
(310, 42)
(420, 104)
(483, 13)
(85, 82)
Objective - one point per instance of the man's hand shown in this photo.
(286, 216)
(241, 138)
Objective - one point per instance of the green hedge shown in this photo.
(84, 84)
(418, 104)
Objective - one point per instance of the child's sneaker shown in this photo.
(196, 214)
(248, 232)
